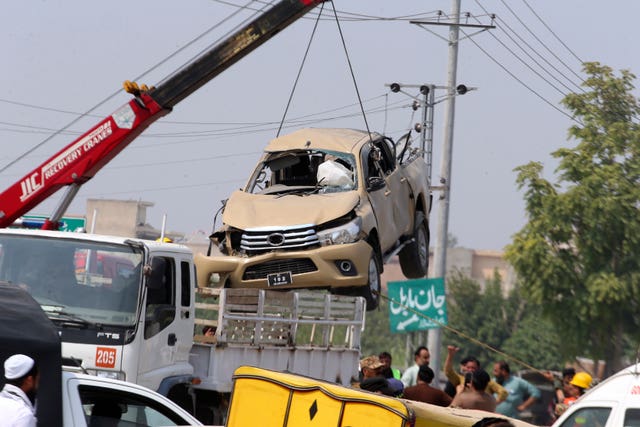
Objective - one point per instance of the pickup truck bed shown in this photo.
(311, 333)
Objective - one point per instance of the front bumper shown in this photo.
(310, 268)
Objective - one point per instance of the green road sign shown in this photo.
(414, 303)
(66, 223)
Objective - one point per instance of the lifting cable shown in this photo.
(353, 77)
(461, 334)
(304, 59)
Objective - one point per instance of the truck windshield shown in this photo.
(86, 281)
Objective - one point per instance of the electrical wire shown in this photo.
(552, 32)
(529, 88)
(523, 62)
(109, 97)
(540, 41)
(577, 86)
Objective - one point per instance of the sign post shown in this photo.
(410, 299)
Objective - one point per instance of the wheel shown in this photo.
(371, 292)
(414, 258)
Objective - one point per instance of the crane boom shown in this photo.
(79, 161)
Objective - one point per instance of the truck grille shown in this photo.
(262, 239)
(295, 266)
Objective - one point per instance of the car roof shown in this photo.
(336, 139)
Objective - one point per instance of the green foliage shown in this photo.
(507, 323)
(377, 336)
(579, 253)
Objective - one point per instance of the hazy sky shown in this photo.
(62, 58)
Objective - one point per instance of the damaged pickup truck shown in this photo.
(324, 208)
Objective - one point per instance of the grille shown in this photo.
(295, 266)
(284, 238)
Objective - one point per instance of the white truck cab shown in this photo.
(615, 402)
(68, 398)
(112, 299)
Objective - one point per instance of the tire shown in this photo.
(371, 292)
(414, 258)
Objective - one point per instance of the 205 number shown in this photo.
(105, 357)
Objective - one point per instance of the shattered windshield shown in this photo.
(86, 282)
(304, 171)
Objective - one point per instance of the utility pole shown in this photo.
(440, 252)
(434, 342)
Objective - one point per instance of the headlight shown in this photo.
(347, 233)
(114, 375)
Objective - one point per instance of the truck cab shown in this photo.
(66, 397)
(112, 299)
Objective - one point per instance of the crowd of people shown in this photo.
(470, 387)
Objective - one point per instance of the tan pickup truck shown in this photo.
(323, 209)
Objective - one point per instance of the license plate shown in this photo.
(278, 279)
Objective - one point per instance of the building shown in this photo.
(123, 218)
(478, 264)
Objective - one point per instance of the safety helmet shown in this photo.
(164, 240)
(581, 379)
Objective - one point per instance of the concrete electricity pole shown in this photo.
(434, 342)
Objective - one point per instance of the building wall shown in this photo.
(479, 265)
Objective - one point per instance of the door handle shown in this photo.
(172, 339)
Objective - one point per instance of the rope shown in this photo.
(304, 59)
(463, 335)
(353, 76)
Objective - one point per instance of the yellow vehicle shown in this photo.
(267, 398)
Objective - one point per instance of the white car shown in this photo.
(615, 402)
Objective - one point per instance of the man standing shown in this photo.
(389, 371)
(19, 393)
(518, 389)
(421, 357)
(423, 392)
(469, 364)
(473, 396)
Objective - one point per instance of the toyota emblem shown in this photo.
(275, 239)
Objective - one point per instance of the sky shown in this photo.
(66, 58)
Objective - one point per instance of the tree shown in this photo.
(507, 323)
(579, 253)
(479, 317)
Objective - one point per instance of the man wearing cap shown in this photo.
(371, 367)
(19, 393)
(372, 379)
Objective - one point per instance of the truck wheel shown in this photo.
(414, 258)
(371, 292)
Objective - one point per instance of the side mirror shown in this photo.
(375, 183)
(155, 279)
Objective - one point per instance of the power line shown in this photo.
(552, 32)
(523, 83)
(577, 86)
(523, 62)
(539, 40)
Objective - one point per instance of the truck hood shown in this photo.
(245, 210)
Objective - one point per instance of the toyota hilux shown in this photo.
(324, 208)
